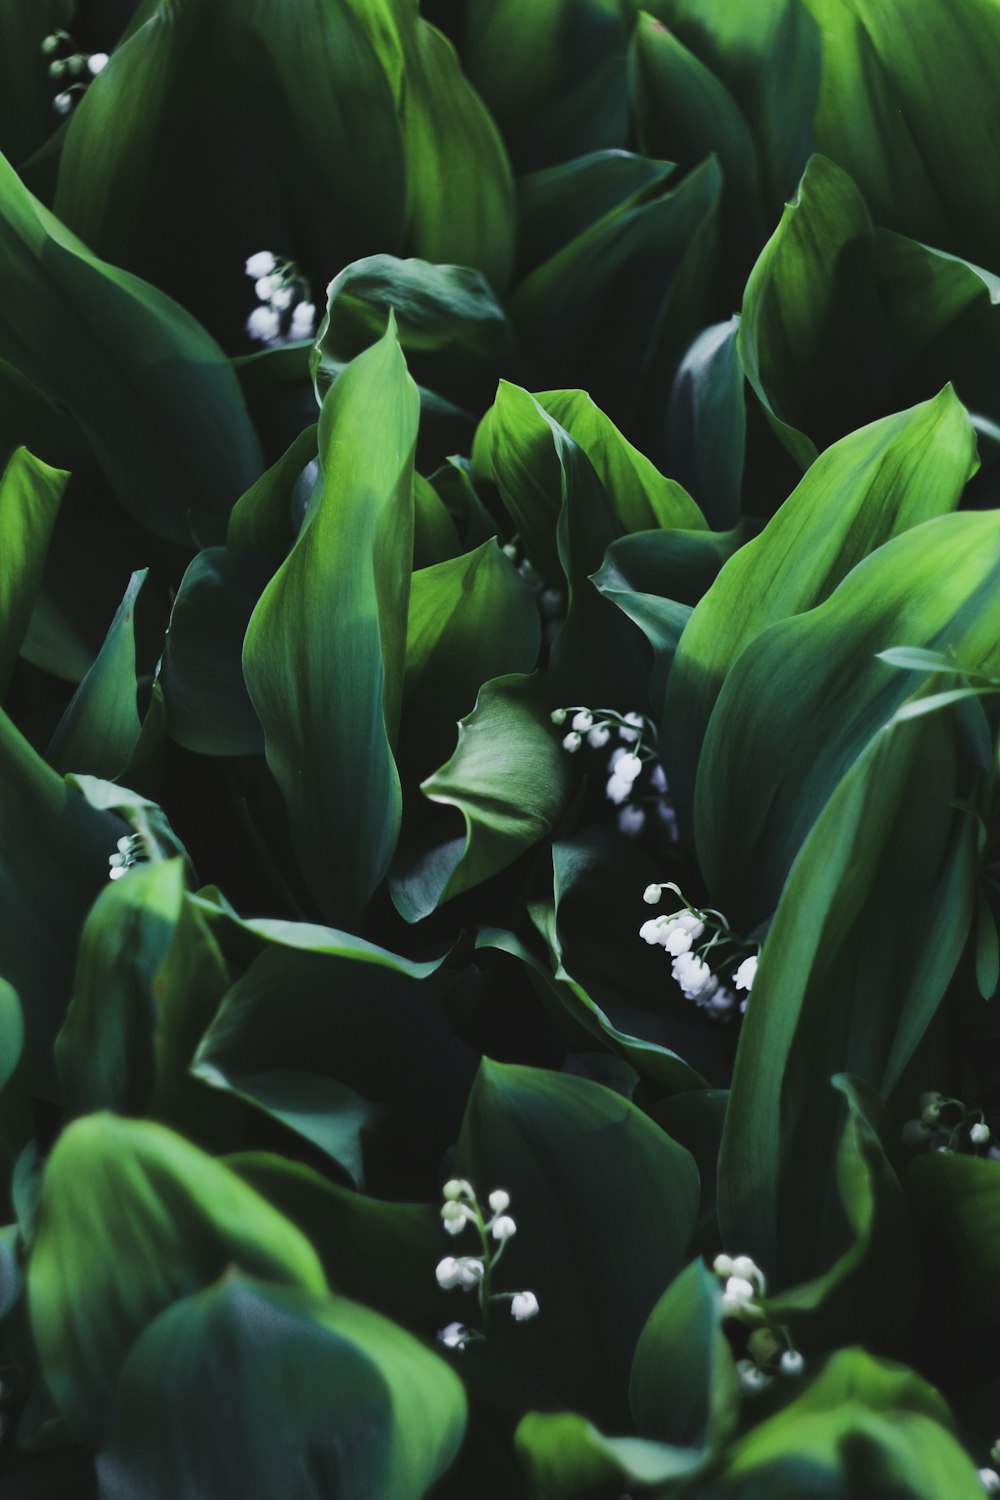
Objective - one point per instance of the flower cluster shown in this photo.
(69, 64)
(947, 1125)
(131, 849)
(769, 1346)
(678, 932)
(636, 781)
(475, 1272)
(285, 314)
(551, 602)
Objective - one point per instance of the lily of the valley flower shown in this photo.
(523, 1305)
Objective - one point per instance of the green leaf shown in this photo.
(956, 1205)
(706, 424)
(935, 585)
(768, 57)
(263, 518)
(324, 651)
(471, 618)
(878, 903)
(26, 115)
(684, 113)
(160, 1221)
(100, 727)
(566, 1457)
(813, 335)
(614, 309)
(510, 780)
(331, 1399)
(208, 706)
(553, 75)
(869, 487)
(579, 1162)
(683, 1388)
(54, 852)
(560, 202)
(151, 390)
(30, 494)
(888, 112)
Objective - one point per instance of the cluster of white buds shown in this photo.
(285, 314)
(636, 781)
(678, 932)
(551, 602)
(131, 850)
(945, 1124)
(770, 1351)
(475, 1272)
(68, 64)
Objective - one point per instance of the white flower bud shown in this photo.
(304, 320)
(261, 264)
(746, 973)
(979, 1134)
(59, 68)
(454, 1213)
(617, 790)
(457, 1187)
(447, 1272)
(637, 722)
(598, 737)
(692, 974)
(263, 324)
(62, 104)
(50, 44)
(791, 1363)
(739, 1292)
(652, 894)
(503, 1228)
(469, 1273)
(628, 768)
(572, 741)
(455, 1226)
(583, 720)
(523, 1305)
(631, 821)
(744, 1266)
(97, 62)
(990, 1480)
(753, 1380)
(265, 287)
(558, 715)
(455, 1336)
(499, 1199)
(282, 297)
(117, 874)
(77, 64)
(658, 779)
(722, 1265)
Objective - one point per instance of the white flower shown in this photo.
(682, 931)
(631, 821)
(263, 324)
(455, 1216)
(651, 931)
(499, 1199)
(628, 768)
(457, 1187)
(470, 1273)
(739, 1295)
(455, 1226)
(652, 894)
(791, 1363)
(598, 737)
(990, 1480)
(979, 1134)
(744, 977)
(97, 62)
(615, 757)
(447, 1272)
(282, 297)
(692, 974)
(116, 874)
(62, 104)
(572, 741)
(304, 320)
(753, 1379)
(720, 1005)
(455, 1336)
(261, 264)
(523, 1305)
(637, 722)
(744, 1266)
(658, 779)
(583, 720)
(265, 287)
(722, 1265)
(503, 1228)
(124, 844)
(618, 789)
(558, 715)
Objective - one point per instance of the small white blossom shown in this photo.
(628, 768)
(572, 741)
(97, 62)
(744, 977)
(470, 1273)
(266, 286)
(282, 297)
(650, 931)
(455, 1216)
(990, 1481)
(631, 821)
(455, 1336)
(652, 894)
(457, 1187)
(583, 720)
(447, 1272)
(598, 737)
(692, 974)
(979, 1134)
(62, 103)
(263, 324)
(499, 1199)
(617, 790)
(744, 1266)
(455, 1226)
(637, 722)
(558, 715)
(753, 1379)
(681, 932)
(117, 873)
(722, 1265)
(304, 321)
(658, 779)
(261, 264)
(503, 1228)
(738, 1293)
(720, 1005)
(791, 1363)
(524, 1305)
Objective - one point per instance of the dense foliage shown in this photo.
(500, 566)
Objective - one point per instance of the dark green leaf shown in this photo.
(683, 1387)
(706, 424)
(30, 493)
(566, 1457)
(263, 519)
(557, 204)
